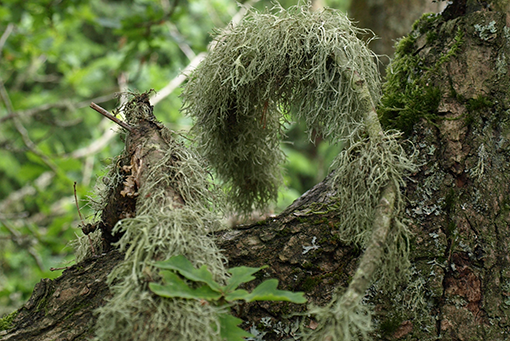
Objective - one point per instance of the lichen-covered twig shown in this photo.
(289, 61)
(346, 318)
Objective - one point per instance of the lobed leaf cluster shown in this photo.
(213, 292)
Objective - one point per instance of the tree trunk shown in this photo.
(448, 90)
(390, 20)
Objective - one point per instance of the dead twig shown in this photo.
(106, 114)
(6, 35)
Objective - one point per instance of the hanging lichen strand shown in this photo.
(288, 61)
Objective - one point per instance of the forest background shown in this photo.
(58, 56)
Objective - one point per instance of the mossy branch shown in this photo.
(312, 65)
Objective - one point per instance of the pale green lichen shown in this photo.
(486, 32)
(158, 232)
(501, 65)
(287, 61)
(362, 171)
(162, 227)
(479, 169)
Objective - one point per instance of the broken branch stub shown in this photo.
(147, 141)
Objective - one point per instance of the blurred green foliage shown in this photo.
(57, 57)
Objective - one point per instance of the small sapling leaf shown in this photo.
(176, 287)
(267, 291)
(241, 274)
(182, 265)
(229, 329)
(237, 295)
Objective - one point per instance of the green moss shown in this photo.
(407, 97)
(390, 325)
(403, 110)
(431, 37)
(426, 23)
(479, 103)
(6, 322)
(452, 52)
(409, 92)
(405, 45)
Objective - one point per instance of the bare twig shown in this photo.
(174, 83)
(76, 202)
(95, 146)
(179, 39)
(106, 114)
(60, 105)
(6, 35)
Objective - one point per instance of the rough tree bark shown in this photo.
(390, 19)
(458, 207)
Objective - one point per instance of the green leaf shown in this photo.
(241, 274)
(175, 287)
(229, 329)
(237, 295)
(267, 291)
(182, 265)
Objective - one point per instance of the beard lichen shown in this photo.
(161, 230)
(288, 61)
(177, 209)
(362, 170)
